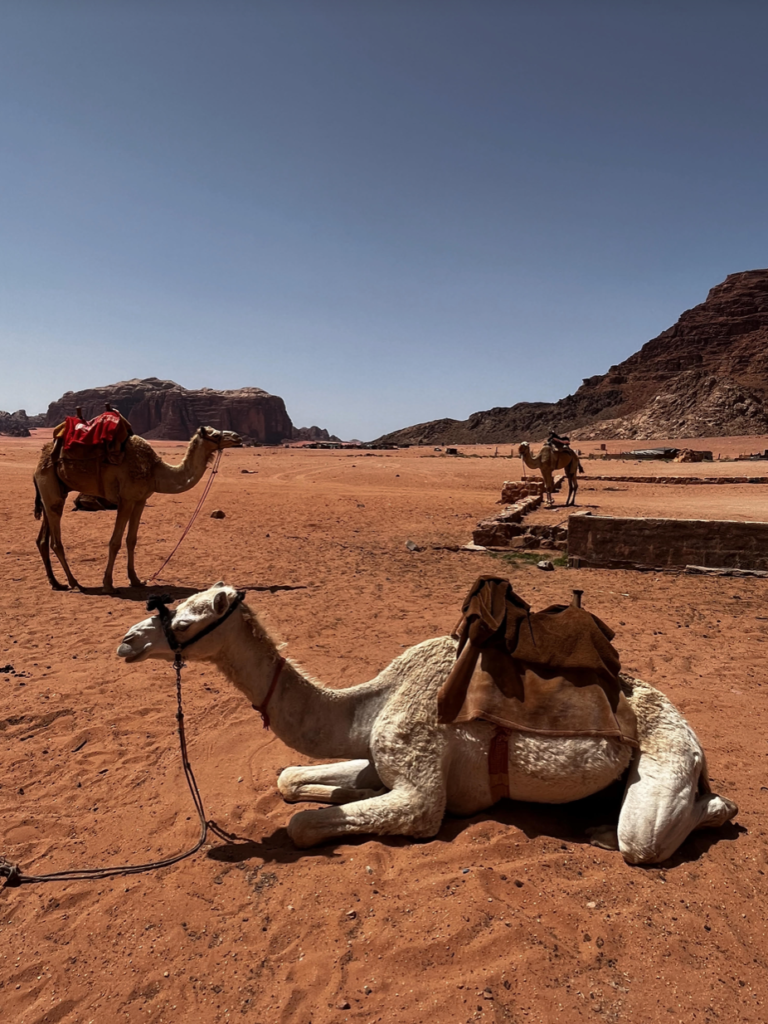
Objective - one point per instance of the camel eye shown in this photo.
(181, 627)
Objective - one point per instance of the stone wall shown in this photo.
(615, 543)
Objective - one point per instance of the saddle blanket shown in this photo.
(82, 437)
(550, 673)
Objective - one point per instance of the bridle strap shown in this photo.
(262, 708)
(160, 604)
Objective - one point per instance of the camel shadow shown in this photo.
(564, 822)
(141, 594)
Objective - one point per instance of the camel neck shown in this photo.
(307, 716)
(175, 479)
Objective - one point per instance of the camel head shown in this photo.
(147, 638)
(524, 448)
(219, 439)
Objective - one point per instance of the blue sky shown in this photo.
(384, 212)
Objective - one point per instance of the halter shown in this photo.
(160, 605)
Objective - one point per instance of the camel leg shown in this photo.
(572, 488)
(53, 514)
(663, 805)
(130, 541)
(43, 546)
(404, 811)
(339, 783)
(549, 485)
(121, 521)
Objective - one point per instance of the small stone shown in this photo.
(591, 905)
(240, 778)
(487, 993)
(217, 514)
(351, 914)
(166, 974)
(519, 884)
(367, 989)
(368, 869)
(342, 1005)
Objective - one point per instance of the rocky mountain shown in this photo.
(162, 409)
(18, 424)
(313, 434)
(705, 376)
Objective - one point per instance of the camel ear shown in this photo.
(202, 432)
(221, 602)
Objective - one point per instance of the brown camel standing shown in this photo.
(547, 461)
(127, 485)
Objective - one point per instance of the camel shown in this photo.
(403, 770)
(547, 461)
(127, 485)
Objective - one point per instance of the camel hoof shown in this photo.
(605, 837)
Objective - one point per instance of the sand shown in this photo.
(509, 916)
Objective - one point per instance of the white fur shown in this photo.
(402, 769)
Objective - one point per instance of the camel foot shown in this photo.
(136, 582)
(59, 586)
(605, 837)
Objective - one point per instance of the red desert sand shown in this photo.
(508, 916)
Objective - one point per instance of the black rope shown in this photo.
(14, 876)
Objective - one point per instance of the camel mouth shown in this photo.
(128, 654)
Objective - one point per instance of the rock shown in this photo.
(218, 514)
(706, 376)
(162, 409)
(17, 424)
(351, 914)
(546, 565)
(342, 1005)
(312, 434)
(413, 546)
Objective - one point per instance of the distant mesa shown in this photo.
(18, 424)
(312, 434)
(705, 377)
(164, 410)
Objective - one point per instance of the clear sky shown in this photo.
(384, 211)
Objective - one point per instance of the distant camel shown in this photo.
(403, 769)
(547, 461)
(128, 485)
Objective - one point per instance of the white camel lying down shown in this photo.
(407, 769)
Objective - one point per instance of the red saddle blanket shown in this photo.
(109, 428)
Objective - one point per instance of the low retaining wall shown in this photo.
(619, 543)
(681, 479)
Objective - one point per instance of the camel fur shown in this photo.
(402, 769)
(128, 485)
(547, 461)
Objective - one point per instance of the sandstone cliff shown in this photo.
(164, 410)
(705, 376)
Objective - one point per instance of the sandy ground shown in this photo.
(509, 916)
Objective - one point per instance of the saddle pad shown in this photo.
(109, 428)
(531, 699)
(553, 673)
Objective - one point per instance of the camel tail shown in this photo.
(38, 501)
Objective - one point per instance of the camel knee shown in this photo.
(289, 783)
